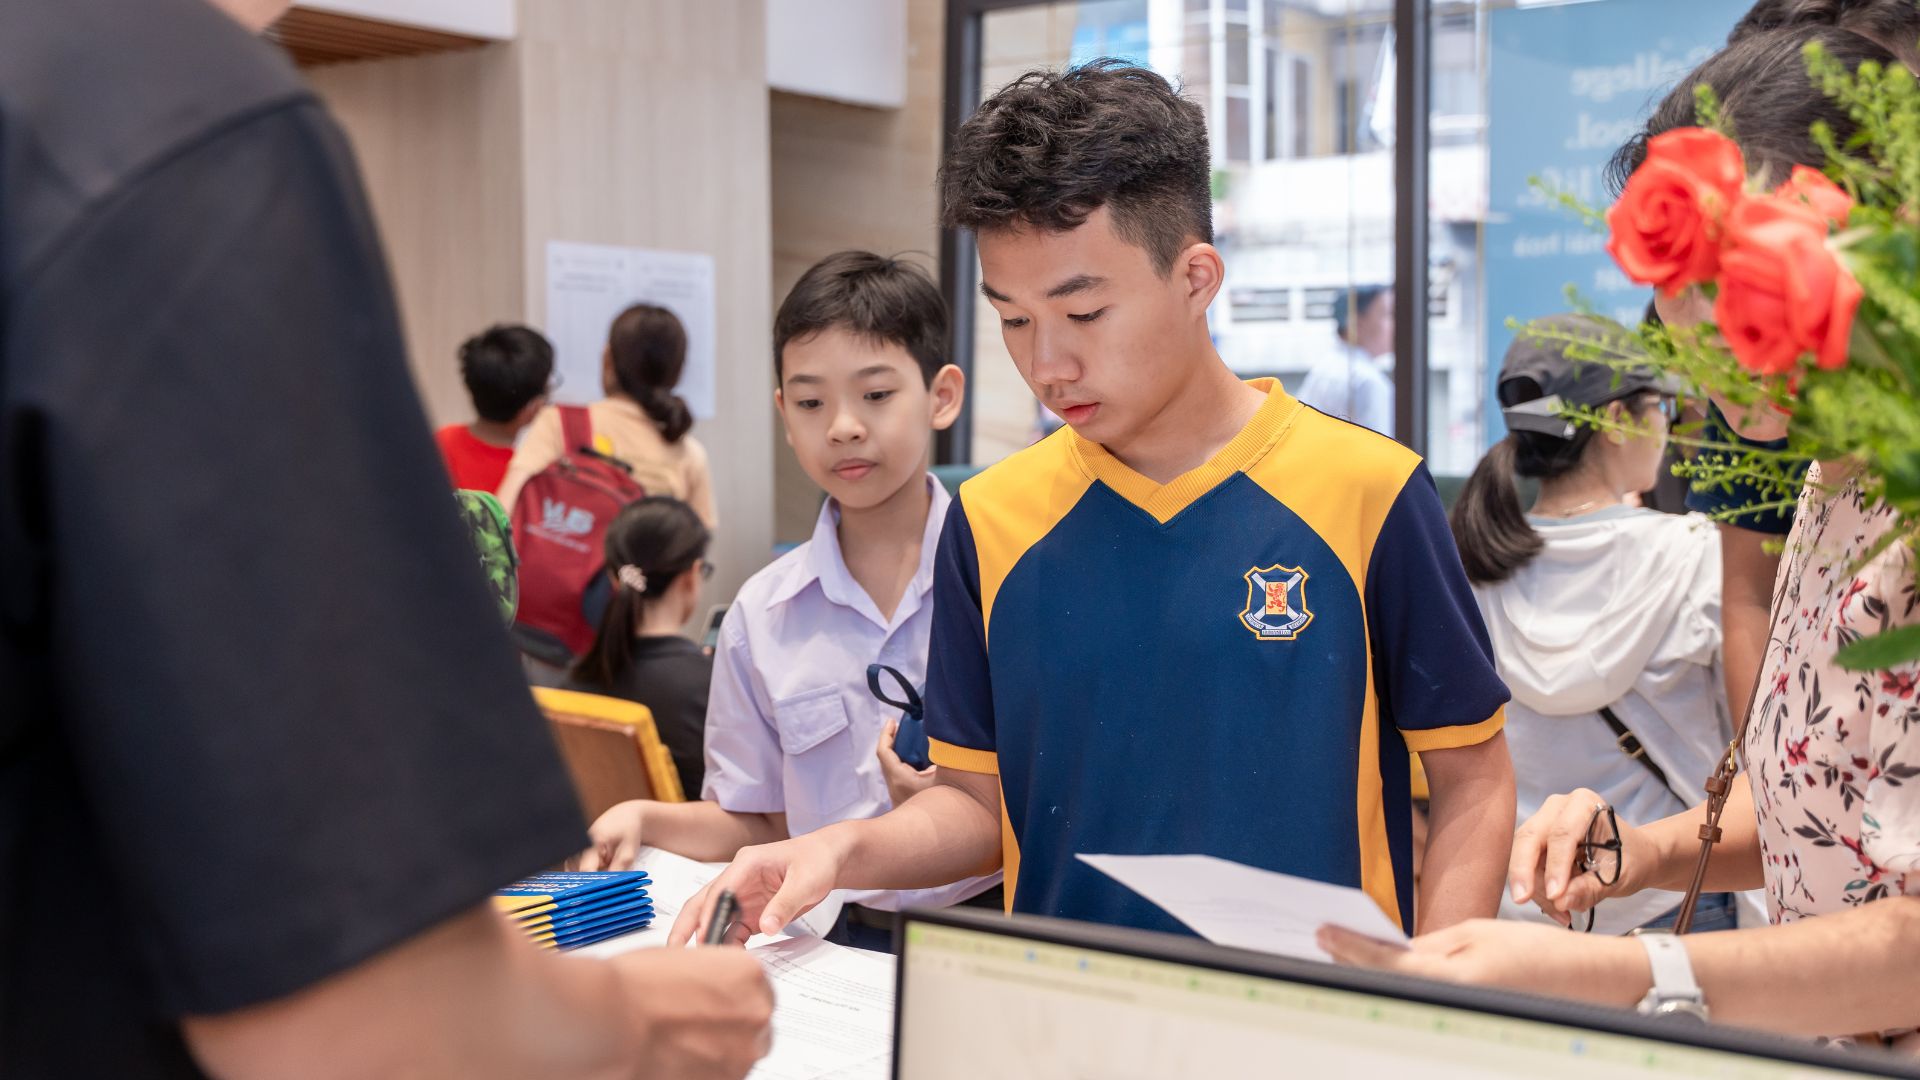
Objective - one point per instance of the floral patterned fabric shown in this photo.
(1833, 756)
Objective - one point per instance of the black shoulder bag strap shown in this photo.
(1629, 744)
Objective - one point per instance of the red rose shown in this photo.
(1665, 229)
(1827, 198)
(1783, 293)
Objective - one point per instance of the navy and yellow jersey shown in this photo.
(1234, 663)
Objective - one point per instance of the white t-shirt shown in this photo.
(1622, 610)
(1353, 386)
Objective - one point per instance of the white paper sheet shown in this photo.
(589, 284)
(832, 1012)
(675, 878)
(1244, 907)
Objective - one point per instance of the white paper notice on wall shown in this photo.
(589, 284)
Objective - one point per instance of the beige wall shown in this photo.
(645, 124)
(851, 177)
(633, 122)
(438, 140)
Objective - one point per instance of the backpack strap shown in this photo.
(1629, 744)
(576, 429)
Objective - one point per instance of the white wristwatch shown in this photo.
(1674, 992)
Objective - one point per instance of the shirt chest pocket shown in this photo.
(823, 759)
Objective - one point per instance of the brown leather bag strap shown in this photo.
(1719, 787)
(1720, 784)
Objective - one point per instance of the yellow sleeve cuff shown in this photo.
(965, 759)
(1453, 738)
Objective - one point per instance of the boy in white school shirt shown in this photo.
(795, 738)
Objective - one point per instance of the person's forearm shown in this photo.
(1746, 599)
(1850, 973)
(1469, 835)
(936, 838)
(1741, 655)
(1674, 848)
(470, 998)
(707, 832)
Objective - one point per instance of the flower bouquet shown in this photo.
(1814, 292)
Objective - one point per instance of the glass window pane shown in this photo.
(1239, 129)
(1197, 56)
(1299, 96)
(1523, 91)
(1301, 105)
(1275, 105)
(1300, 228)
(1237, 62)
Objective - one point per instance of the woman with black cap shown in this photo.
(1605, 616)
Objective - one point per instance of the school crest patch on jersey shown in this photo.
(1276, 603)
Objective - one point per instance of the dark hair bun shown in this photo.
(649, 348)
(669, 410)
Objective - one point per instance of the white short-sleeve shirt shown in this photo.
(1351, 385)
(791, 724)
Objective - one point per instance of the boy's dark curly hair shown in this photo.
(1052, 147)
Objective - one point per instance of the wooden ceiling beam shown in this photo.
(314, 38)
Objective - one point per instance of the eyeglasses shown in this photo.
(1600, 856)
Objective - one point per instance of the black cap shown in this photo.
(1539, 378)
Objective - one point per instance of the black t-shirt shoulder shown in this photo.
(274, 726)
(93, 93)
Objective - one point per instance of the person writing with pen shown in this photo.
(265, 753)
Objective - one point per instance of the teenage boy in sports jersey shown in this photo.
(1204, 618)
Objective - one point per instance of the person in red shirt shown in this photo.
(507, 370)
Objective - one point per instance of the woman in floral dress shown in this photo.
(1827, 819)
(1827, 816)
(1833, 756)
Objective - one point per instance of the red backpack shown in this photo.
(560, 521)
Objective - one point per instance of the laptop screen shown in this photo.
(1011, 998)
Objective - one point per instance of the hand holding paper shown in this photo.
(1248, 908)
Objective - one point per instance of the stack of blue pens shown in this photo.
(568, 910)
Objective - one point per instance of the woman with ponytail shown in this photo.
(642, 422)
(1604, 616)
(656, 559)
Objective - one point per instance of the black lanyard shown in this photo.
(913, 706)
